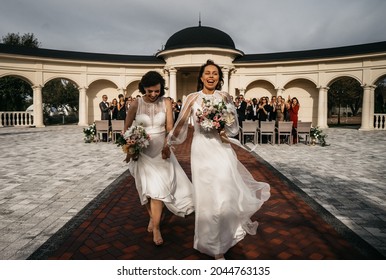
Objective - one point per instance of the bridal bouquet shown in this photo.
(215, 114)
(133, 141)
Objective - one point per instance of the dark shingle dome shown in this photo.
(199, 36)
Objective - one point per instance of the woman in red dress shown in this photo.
(293, 107)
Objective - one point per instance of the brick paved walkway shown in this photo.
(292, 226)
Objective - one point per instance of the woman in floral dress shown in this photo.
(159, 178)
(225, 193)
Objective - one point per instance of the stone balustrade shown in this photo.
(16, 118)
(380, 121)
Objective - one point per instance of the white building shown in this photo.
(304, 74)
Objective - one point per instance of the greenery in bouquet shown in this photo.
(215, 114)
(133, 141)
(89, 133)
(318, 134)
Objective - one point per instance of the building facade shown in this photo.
(306, 75)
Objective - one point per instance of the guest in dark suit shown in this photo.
(105, 108)
(241, 109)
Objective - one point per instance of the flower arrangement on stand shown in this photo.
(317, 134)
(133, 141)
(89, 133)
(215, 114)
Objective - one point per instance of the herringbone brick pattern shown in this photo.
(289, 228)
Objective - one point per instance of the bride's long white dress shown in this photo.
(225, 193)
(155, 177)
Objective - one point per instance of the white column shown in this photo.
(368, 93)
(372, 105)
(225, 86)
(279, 92)
(231, 89)
(173, 83)
(322, 107)
(83, 109)
(38, 106)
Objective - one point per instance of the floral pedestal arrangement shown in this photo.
(317, 135)
(89, 133)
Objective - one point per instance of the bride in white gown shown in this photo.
(158, 176)
(225, 193)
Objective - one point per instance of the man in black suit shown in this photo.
(241, 109)
(105, 108)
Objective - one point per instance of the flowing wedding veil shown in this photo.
(179, 132)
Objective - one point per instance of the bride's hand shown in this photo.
(166, 152)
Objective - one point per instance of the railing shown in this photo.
(16, 118)
(380, 121)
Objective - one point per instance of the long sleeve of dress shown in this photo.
(179, 132)
(233, 129)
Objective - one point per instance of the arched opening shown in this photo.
(95, 92)
(60, 102)
(307, 94)
(132, 90)
(258, 89)
(380, 96)
(16, 97)
(345, 96)
(380, 103)
(15, 94)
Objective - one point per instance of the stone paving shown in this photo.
(48, 175)
(347, 178)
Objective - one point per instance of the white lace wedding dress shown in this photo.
(156, 177)
(225, 193)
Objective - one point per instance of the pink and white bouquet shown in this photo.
(215, 114)
(135, 139)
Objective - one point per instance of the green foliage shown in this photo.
(26, 40)
(59, 92)
(317, 133)
(346, 92)
(15, 94)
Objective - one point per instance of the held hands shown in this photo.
(166, 152)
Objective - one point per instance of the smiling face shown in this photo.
(210, 78)
(152, 93)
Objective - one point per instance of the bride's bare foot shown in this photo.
(157, 237)
(219, 257)
(150, 225)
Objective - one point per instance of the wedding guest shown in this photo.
(273, 112)
(293, 107)
(159, 178)
(114, 109)
(252, 110)
(280, 105)
(241, 109)
(105, 108)
(226, 194)
(177, 109)
(121, 108)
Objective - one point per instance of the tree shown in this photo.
(61, 92)
(15, 94)
(346, 92)
(26, 40)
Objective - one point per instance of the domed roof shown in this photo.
(199, 36)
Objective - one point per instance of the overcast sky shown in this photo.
(142, 27)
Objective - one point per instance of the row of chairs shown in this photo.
(102, 126)
(283, 130)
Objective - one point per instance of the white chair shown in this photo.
(284, 129)
(248, 128)
(304, 129)
(101, 126)
(266, 128)
(116, 128)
